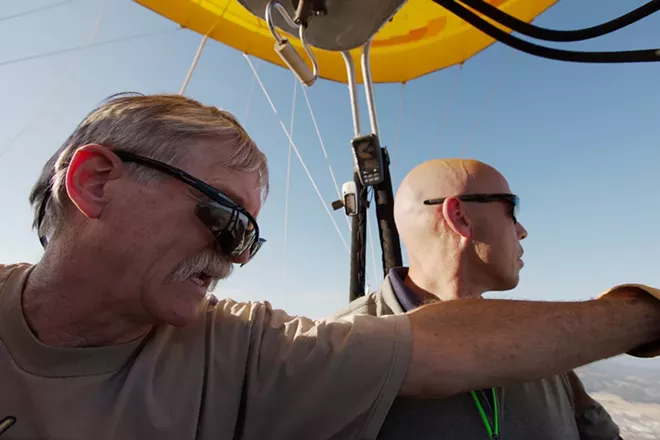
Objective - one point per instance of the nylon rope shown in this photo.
(398, 126)
(295, 149)
(493, 92)
(36, 10)
(457, 81)
(67, 76)
(248, 101)
(87, 46)
(194, 64)
(198, 54)
(334, 180)
(325, 153)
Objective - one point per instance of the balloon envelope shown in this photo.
(421, 38)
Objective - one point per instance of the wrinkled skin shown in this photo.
(131, 250)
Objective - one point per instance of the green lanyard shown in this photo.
(493, 434)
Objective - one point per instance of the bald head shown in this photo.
(440, 178)
(459, 236)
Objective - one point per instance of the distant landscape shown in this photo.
(630, 393)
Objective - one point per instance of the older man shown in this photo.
(112, 335)
(457, 219)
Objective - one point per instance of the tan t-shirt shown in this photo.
(241, 371)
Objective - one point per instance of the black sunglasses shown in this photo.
(235, 230)
(511, 199)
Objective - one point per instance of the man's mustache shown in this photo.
(209, 262)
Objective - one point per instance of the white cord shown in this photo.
(35, 10)
(325, 153)
(398, 127)
(295, 149)
(193, 65)
(67, 76)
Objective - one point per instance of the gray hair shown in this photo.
(155, 126)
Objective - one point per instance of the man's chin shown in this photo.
(514, 284)
(182, 316)
(507, 284)
(178, 308)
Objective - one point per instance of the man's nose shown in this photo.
(522, 232)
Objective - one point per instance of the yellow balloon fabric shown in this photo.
(421, 38)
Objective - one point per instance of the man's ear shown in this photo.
(457, 217)
(90, 169)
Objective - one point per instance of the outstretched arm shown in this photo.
(472, 344)
(593, 421)
(337, 378)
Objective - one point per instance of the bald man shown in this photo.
(457, 220)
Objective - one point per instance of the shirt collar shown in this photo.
(407, 299)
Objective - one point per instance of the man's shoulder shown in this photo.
(283, 360)
(558, 382)
(224, 328)
(372, 304)
(365, 305)
(238, 312)
(249, 315)
(555, 383)
(6, 270)
(379, 303)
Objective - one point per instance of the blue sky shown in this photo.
(578, 143)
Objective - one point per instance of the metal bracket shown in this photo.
(308, 8)
(286, 51)
(348, 25)
(368, 89)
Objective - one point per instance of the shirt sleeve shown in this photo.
(322, 380)
(593, 421)
(648, 350)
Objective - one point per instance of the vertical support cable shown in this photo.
(395, 155)
(368, 88)
(484, 108)
(373, 252)
(457, 81)
(295, 149)
(325, 152)
(248, 101)
(389, 236)
(352, 91)
(359, 226)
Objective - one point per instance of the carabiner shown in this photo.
(285, 49)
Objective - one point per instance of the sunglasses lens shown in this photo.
(233, 230)
(516, 206)
(256, 245)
